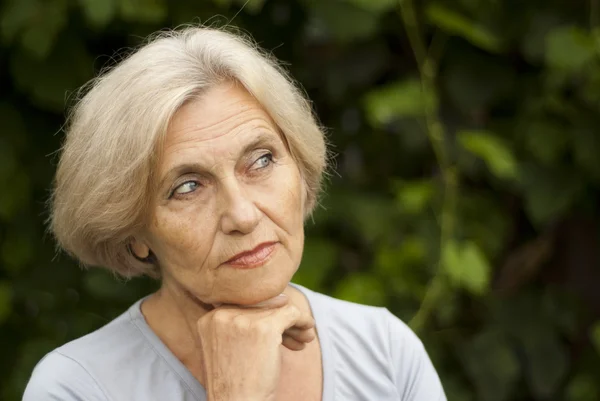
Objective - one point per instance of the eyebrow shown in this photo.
(261, 140)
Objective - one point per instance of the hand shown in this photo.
(241, 347)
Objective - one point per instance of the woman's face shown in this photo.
(227, 185)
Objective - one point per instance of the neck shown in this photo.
(172, 313)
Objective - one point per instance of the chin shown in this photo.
(249, 287)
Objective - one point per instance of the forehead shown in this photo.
(224, 114)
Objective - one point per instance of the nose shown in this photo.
(240, 214)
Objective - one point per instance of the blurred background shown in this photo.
(466, 187)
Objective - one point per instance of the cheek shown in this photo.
(174, 233)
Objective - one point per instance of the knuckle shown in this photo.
(240, 323)
(262, 327)
(221, 318)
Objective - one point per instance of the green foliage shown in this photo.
(468, 187)
(496, 154)
(454, 23)
(466, 267)
(400, 99)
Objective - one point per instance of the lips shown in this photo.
(253, 258)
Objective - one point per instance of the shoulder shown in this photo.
(369, 322)
(77, 370)
(384, 345)
(59, 377)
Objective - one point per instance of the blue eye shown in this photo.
(264, 161)
(186, 188)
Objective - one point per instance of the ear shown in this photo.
(139, 249)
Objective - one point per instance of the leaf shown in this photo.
(546, 360)
(414, 196)
(456, 24)
(150, 11)
(586, 148)
(342, 21)
(377, 6)
(475, 82)
(99, 12)
(595, 336)
(400, 99)
(569, 48)
(5, 300)
(15, 16)
(39, 36)
(361, 288)
(48, 82)
(16, 251)
(549, 192)
(493, 150)
(583, 387)
(318, 259)
(252, 6)
(466, 266)
(17, 198)
(104, 286)
(546, 141)
(401, 265)
(492, 365)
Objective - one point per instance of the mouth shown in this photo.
(253, 258)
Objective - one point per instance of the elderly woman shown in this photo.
(196, 160)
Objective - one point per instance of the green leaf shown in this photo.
(401, 265)
(17, 198)
(569, 48)
(342, 21)
(361, 288)
(377, 6)
(400, 99)
(583, 387)
(456, 24)
(414, 196)
(99, 12)
(49, 82)
(104, 286)
(546, 360)
(466, 266)
(586, 148)
(549, 193)
(546, 141)
(595, 336)
(150, 11)
(15, 16)
(318, 259)
(39, 36)
(492, 365)
(5, 300)
(252, 6)
(493, 150)
(16, 251)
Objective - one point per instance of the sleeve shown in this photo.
(414, 374)
(58, 377)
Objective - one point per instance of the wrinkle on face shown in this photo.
(234, 210)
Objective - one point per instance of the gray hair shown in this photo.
(104, 179)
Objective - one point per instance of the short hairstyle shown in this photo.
(114, 133)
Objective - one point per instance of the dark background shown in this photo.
(466, 191)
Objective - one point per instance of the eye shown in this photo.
(186, 188)
(263, 161)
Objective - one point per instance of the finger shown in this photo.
(300, 335)
(290, 316)
(292, 344)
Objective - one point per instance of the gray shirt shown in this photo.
(367, 354)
